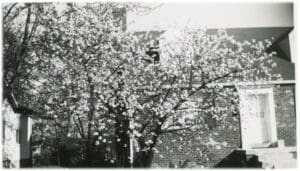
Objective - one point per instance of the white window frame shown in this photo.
(292, 42)
(250, 90)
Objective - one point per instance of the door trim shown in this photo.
(271, 119)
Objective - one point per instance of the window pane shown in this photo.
(18, 136)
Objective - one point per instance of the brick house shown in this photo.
(261, 140)
(16, 132)
(261, 134)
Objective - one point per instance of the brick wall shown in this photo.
(174, 148)
(201, 148)
(284, 99)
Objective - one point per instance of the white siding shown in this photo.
(11, 148)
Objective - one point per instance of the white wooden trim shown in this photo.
(271, 119)
(131, 157)
(292, 37)
(282, 82)
(279, 82)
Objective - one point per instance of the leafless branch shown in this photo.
(176, 129)
(9, 10)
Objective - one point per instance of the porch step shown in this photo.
(276, 157)
(261, 158)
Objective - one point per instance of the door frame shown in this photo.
(270, 119)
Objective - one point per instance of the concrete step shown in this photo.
(275, 157)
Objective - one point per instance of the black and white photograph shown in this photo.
(142, 84)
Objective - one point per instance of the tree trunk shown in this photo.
(89, 143)
(88, 150)
(122, 144)
(143, 159)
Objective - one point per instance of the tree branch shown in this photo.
(177, 129)
(168, 92)
(144, 127)
(78, 128)
(181, 101)
(9, 10)
(24, 47)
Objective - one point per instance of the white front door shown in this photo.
(257, 117)
(257, 125)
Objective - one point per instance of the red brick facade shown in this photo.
(194, 148)
(284, 99)
(175, 150)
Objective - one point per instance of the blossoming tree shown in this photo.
(96, 80)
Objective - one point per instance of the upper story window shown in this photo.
(3, 131)
(18, 136)
(153, 51)
(119, 15)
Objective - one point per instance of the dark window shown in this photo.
(153, 51)
(189, 121)
(210, 121)
(119, 15)
(18, 136)
(3, 131)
